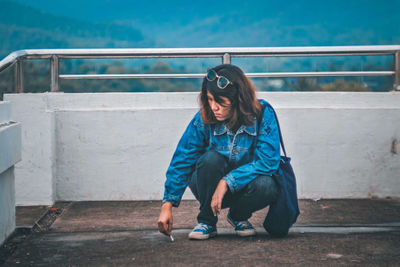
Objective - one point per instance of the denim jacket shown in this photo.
(251, 152)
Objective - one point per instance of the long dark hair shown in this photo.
(245, 107)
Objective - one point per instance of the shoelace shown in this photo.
(244, 224)
(201, 226)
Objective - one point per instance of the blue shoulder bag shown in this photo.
(283, 213)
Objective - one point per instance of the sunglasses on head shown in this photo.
(222, 82)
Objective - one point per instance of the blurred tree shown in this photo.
(344, 86)
(161, 67)
(37, 79)
(305, 84)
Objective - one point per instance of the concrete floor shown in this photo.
(328, 232)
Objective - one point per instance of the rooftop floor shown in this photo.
(328, 232)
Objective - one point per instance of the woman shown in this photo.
(226, 155)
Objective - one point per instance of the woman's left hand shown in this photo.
(216, 201)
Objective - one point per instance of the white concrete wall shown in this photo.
(10, 153)
(34, 182)
(7, 203)
(117, 146)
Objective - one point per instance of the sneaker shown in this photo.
(242, 228)
(203, 231)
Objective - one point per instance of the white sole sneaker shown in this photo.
(200, 236)
(247, 232)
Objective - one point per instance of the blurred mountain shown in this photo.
(206, 23)
(24, 27)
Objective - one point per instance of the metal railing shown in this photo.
(226, 54)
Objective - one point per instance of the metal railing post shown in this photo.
(19, 77)
(54, 74)
(226, 59)
(397, 71)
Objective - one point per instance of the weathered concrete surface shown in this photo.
(27, 216)
(124, 234)
(149, 248)
(141, 215)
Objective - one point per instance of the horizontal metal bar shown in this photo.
(216, 51)
(201, 75)
(211, 52)
(129, 56)
(316, 54)
(129, 76)
(321, 74)
(199, 52)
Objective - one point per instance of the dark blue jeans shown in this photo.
(210, 168)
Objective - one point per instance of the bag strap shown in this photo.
(279, 128)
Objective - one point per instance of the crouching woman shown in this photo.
(227, 156)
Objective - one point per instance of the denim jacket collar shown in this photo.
(221, 128)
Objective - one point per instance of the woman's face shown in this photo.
(221, 111)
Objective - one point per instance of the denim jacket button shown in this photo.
(234, 151)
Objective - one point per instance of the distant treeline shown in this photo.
(37, 79)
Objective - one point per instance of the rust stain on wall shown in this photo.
(393, 148)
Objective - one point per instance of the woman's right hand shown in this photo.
(165, 219)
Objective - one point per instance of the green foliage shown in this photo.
(343, 86)
(306, 84)
(312, 84)
(6, 82)
(37, 79)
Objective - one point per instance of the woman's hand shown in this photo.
(216, 201)
(165, 219)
